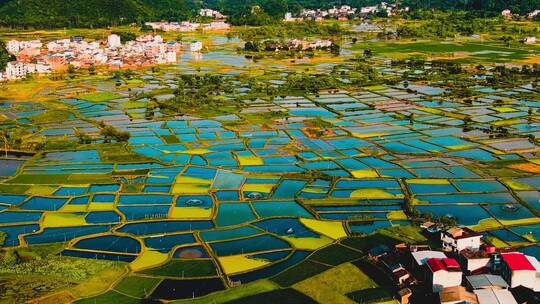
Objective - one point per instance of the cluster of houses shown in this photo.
(210, 13)
(298, 44)
(344, 12)
(217, 24)
(38, 57)
(509, 14)
(187, 26)
(532, 15)
(466, 270)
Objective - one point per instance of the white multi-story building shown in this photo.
(16, 70)
(459, 238)
(114, 41)
(369, 10)
(13, 46)
(29, 48)
(206, 12)
(533, 14)
(519, 269)
(195, 46)
(19, 70)
(170, 57)
(529, 40)
(43, 68)
(506, 13)
(216, 25)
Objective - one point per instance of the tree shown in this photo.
(83, 137)
(507, 40)
(3, 237)
(122, 136)
(275, 8)
(108, 133)
(335, 48)
(5, 56)
(368, 53)
(71, 69)
(92, 69)
(146, 28)
(125, 36)
(5, 138)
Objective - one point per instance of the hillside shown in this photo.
(98, 13)
(61, 13)
(89, 13)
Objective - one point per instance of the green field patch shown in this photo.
(466, 52)
(335, 254)
(332, 285)
(100, 96)
(370, 241)
(236, 294)
(170, 139)
(287, 295)
(299, 273)
(371, 295)
(110, 297)
(137, 286)
(410, 234)
(184, 268)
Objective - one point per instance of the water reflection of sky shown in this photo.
(223, 54)
(224, 58)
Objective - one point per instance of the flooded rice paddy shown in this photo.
(214, 200)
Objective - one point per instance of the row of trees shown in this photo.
(201, 94)
(5, 57)
(100, 13)
(284, 30)
(91, 13)
(272, 45)
(109, 133)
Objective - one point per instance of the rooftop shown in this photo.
(446, 264)
(461, 233)
(494, 296)
(475, 254)
(455, 294)
(421, 257)
(486, 280)
(517, 261)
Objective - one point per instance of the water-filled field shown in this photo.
(202, 201)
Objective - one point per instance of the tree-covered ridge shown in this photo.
(96, 13)
(61, 13)
(90, 13)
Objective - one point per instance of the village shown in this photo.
(217, 23)
(344, 12)
(187, 26)
(464, 270)
(40, 57)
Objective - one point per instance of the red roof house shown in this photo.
(517, 270)
(443, 273)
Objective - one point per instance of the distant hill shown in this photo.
(88, 13)
(99, 13)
